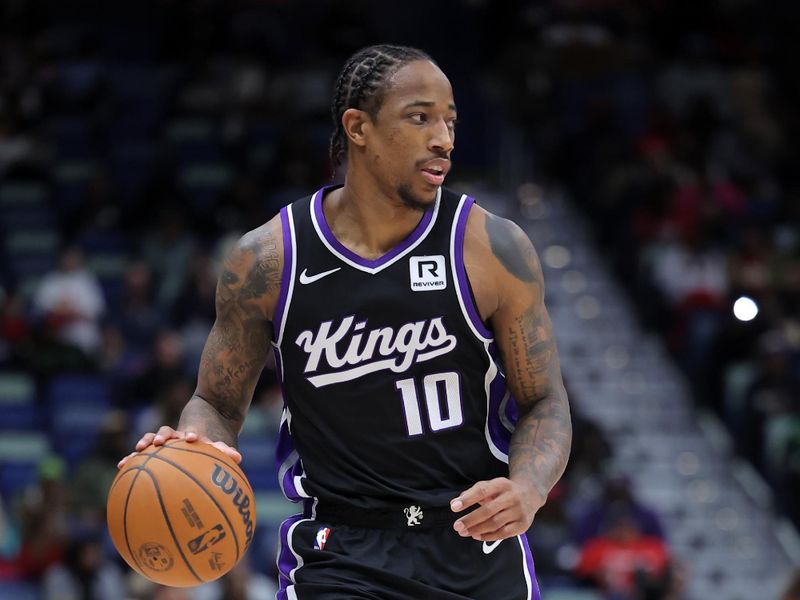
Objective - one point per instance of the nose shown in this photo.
(442, 137)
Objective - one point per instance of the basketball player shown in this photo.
(426, 419)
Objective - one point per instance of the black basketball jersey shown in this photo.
(391, 386)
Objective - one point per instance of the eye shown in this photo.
(451, 124)
(418, 117)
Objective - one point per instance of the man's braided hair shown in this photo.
(362, 84)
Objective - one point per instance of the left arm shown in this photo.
(540, 444)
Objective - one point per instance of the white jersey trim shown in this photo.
(454, 271)
(288, 303)
(525, 570)
(491, 373)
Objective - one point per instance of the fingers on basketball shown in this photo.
(181, 514)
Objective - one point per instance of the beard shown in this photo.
(415, 202)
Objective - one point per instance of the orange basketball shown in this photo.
(181, 514)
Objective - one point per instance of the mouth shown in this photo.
(434, 171)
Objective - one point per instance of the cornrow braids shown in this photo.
(362, 84)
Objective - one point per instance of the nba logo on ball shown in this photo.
(427, 273)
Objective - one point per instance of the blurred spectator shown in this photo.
(195, 303)
(195, 309)
(623, 561)
(692, 272)
(138, 317)
(617, 496)
(167, 364)
(9, 544)
(793, 588)
(172, 395)
(551, 540)
(15, 332)
(93, 476)
(85, 573)
(167, 249)
(71, 303)
(241, 583)
(16, 147)
(44, 517)
(771, 404)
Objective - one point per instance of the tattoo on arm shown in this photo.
(239, 341)
(513, 249)
(541, 442)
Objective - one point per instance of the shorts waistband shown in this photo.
(410, 517)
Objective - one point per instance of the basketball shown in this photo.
(181, 514)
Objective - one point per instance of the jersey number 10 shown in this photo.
(438, 419)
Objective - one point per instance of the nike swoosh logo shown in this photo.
(306, 279)
(489, 548)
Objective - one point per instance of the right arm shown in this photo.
(237, 346)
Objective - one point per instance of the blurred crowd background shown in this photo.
(139, 140)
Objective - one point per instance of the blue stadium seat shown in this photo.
(72, 180)
(84, 388)
(18, 402)
(72, 138)
(25, 266)
(203, 182)
(78, 405)
(74, 429)
(35, 216)
(131, 167)
(15, 477)
(19, 590)
(20, 455)
(258, 461)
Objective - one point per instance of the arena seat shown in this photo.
(18, 402)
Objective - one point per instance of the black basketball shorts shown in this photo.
(412, 553)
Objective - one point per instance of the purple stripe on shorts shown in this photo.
(419, 230)
(286, 558)
(461, 270)
(535, 593)
(288, 259)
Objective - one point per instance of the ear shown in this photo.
(354, 122)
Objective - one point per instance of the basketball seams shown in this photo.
(169, 524)
(231, 464)
(119, 477)
(211, 497)
(156, 452)
(140, 468)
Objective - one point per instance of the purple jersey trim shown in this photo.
(286, 558)
(535, 593)
(461, 271)
(415, 235)
(499, 434)
(285, 447)
(286, 275)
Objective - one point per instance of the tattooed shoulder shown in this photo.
(512, 248)
(252, 271)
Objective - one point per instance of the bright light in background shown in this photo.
(745, 309)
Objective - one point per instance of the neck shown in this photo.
(367, 220)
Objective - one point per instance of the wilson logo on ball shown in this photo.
(228, 484)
